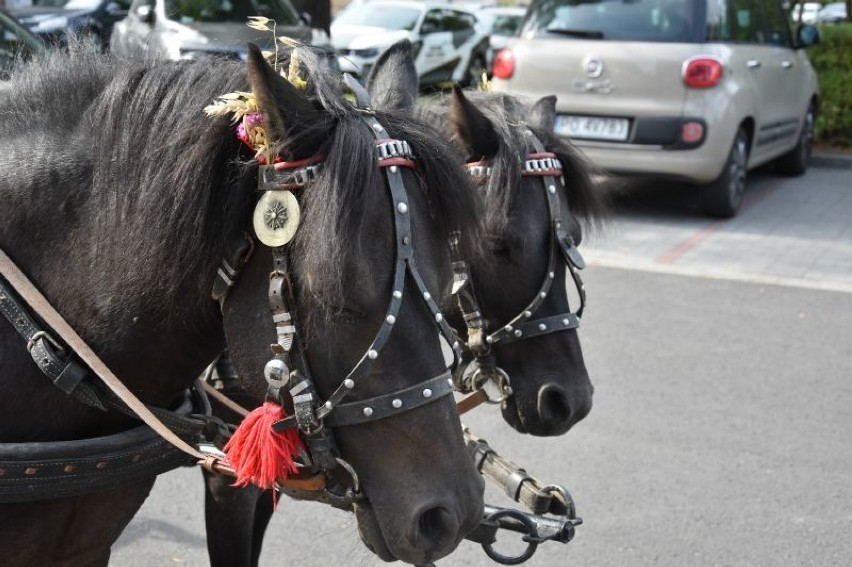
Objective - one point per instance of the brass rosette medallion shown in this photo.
(276, 218)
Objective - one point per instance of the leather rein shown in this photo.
(483, 368)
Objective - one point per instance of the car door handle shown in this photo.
(787, 64)
(752, 63)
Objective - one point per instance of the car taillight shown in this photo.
(504, 64)
(702, 72)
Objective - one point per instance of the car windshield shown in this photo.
(188, 11)
(380, 16)
(625, 20)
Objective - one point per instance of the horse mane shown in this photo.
(169, 186)
(508, 115)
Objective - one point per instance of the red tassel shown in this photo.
(259, 454)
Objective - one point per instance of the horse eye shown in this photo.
(500, 248)
(348, 315)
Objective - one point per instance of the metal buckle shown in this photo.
(44, 335)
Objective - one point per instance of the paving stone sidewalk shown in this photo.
(790, 231)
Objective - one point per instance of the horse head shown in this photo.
(536, 189)
(363, 266)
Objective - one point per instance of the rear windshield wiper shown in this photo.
(589, 34)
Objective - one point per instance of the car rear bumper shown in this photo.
(701, 165)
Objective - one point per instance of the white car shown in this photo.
(448, 42)
(700, 91)
(809, 15)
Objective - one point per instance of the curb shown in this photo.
(823, 158)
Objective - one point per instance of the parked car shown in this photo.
(500, 24)
(55, 20)
(448, 44)
(833, 13)
(696, 90)
(187, 29)
(809, 13)
(16, 42)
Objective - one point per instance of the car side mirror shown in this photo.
(145, 12)
(306, 18)
(806, 35)
(427, 28)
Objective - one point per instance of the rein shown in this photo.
(483, 368)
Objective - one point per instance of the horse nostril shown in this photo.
(437, 527)
(553, 405)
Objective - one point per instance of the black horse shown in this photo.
(550, 385)
(532, 339)
(118, 199)
(541, 359)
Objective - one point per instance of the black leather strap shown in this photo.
(54, 469)
(387, 405)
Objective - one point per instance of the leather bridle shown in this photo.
(288, 371)
(483, 366)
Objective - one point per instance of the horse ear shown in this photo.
(286, 111)
(393, 82)
(471, 128)
(543, 113)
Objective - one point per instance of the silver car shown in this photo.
(695, 90)
(186, 29)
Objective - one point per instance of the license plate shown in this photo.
(593, 127)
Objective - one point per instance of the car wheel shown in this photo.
(475, 67)
(722, 197)
(795, 162)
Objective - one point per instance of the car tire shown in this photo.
(795, 162)
(722, 197)
(474, 70)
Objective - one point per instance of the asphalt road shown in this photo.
(721, 353)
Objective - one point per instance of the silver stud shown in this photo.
(527, 314)
(551, 275)
(509, 328)
(328, 405)
(518, 333)
(372, 355)
(394, 169)
(542, 295)
(397, 403)
(456, 345)
(558, 224)
(489, 340)
(542, 327)
(402, 208)
(551, 189)
(439, 317)
(368, 411)
(406, 240)
(450, 382)
(390, 319)
(427, 296)
(427, 393)
(349, 383)
(377, 127)
(397, 294)
(566, 322)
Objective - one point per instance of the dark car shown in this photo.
(55, 20)
(15, 43)
(188, 29)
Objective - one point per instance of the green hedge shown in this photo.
(832, 59)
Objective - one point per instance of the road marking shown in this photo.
(605, 260)
(674, 253)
